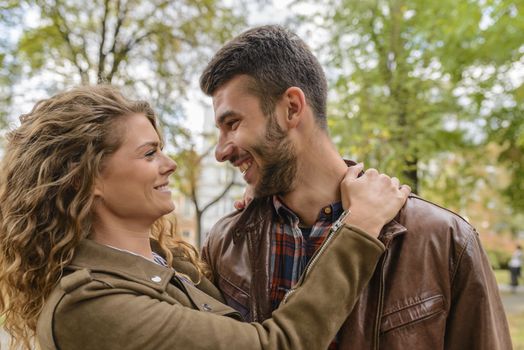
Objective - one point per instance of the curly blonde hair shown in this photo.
(46, 192)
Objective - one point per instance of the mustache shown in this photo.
(234, 158)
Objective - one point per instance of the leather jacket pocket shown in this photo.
(235, 297)
(412, 313)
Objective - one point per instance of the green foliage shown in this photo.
(417, 81)
(189, 164)
(35, 47)
(516, 328)
(498, 258)
(506, 127)
(187, 178)
(9, 67)
(155, 47)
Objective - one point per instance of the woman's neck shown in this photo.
(126, 237)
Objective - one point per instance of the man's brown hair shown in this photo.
(275, 59)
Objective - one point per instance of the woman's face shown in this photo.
(134, 182)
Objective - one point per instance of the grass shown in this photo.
(516, 328)
(515, 320)
(502, 276)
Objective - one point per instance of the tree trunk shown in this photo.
(198, 229)
(410, 173)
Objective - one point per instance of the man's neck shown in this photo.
(320, 171)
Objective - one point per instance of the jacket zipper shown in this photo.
(311, 263)
(253, 306)
(376, 335)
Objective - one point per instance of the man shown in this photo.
(432, 289)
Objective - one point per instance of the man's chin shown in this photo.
(259, 193)
(266, 191)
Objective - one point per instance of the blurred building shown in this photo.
(214, 178)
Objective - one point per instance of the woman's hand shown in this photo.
(241, 204)
(374, 199)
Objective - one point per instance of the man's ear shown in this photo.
(295, 104)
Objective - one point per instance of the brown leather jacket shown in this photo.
(433, 287)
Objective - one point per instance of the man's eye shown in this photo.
(233, 124)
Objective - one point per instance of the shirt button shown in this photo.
(207, 307)
(327, 210)
(156, 279)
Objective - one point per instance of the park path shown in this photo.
(513, 301)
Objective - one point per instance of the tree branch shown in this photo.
(205, 153)
(217, 198)
(101, 54)
(83, 51)
(120, 20)
(382, 54)
(61, 25)
(120, 55)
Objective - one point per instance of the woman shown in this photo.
(88, 260)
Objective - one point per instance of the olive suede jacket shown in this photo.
(433, 287)
(109, 299)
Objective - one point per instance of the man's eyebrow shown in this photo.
(221, 118)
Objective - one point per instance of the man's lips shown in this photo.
(242, 163)
(244, 166)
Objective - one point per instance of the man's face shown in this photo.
(251, 141)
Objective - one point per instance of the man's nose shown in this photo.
(223, 151)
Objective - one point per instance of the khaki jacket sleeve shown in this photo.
(476, 319)
(309, 319)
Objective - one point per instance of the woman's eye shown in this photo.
(150, 153)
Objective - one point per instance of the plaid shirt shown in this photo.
(293, 247)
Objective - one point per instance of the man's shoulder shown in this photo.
(240, 221)
(429, 219)
(224, 226)
(431, 227)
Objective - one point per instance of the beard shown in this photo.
(278, 173)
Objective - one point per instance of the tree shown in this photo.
(188, 178)
(413, 77)
(9, 68)
(506, 129)
(153, 48)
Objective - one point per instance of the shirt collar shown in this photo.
(328, 213)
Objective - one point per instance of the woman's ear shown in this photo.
(98, 188)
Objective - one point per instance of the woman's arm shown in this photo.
(123, 319)
(309, 317)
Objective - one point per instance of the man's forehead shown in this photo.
(232, 97)
(239, 84)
